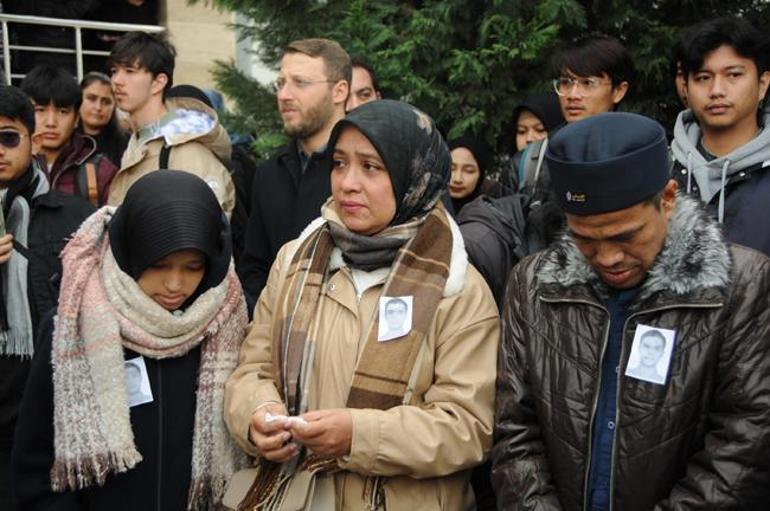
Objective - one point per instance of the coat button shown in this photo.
(332, 286)
(684, 171)
(611, 425)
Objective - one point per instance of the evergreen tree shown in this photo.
(468, 63)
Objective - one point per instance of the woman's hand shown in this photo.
(327, 433)
(272, 439)
(6, 247)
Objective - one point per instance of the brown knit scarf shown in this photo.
(101, 311)
(384, 375)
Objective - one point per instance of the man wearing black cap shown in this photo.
(593, 75)
(574, 428)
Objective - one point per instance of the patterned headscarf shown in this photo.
(412, 149)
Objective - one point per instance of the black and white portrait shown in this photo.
(650, 355)
(138, 389)
(395, 317)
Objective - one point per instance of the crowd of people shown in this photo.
(368, 320)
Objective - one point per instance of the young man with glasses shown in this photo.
(179, 133)
(289, 189)
(594, 74)
(35, 223)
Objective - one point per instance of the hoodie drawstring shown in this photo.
(721, 216)
(689, 172)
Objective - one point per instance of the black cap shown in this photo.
(608, 162)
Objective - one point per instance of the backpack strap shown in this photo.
(88, 186)
(165, 152)
(93, 189)
(531, 164)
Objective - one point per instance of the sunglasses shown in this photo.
(10, 139)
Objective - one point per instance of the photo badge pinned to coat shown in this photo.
(395, 319)
(651, 353)
(138, 389)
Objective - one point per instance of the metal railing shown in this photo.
(77, 25)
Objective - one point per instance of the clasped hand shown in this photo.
(6, 247)
(325, 433)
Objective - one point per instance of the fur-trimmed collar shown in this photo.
(457, 267)
(694, 257)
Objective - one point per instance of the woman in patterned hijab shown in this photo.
(342, 412)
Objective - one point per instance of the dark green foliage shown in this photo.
(469, 62)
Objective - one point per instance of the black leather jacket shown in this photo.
(701, 441)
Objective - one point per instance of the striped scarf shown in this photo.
(101, 311)
(385, 373)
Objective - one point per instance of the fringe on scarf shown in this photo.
(79, 473)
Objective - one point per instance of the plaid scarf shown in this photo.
(385, 373)
(101, 311)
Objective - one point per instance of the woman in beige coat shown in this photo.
(367, 380)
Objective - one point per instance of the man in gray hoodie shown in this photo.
(722, 142)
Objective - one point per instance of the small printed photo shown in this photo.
(138, 391)
(650, 355)
(395, 317)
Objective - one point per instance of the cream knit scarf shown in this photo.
(101, 311)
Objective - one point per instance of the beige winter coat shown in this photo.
(425, 450)
(202, 154)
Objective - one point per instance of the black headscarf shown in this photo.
(166, 211)
(545, 106)
(412, 149)
(480, 152)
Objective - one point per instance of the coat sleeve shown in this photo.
(520, 471)
(489, 254)
(450, 430)
(33, 450)
(253, 382)
(732, 470)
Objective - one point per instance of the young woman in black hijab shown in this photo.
(470, 162)
(124, 404)
(536, 117)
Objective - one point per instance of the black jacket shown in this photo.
(700, 441)
(746, 198)
(746, 174)
(284, 201)
(54, 216)
(163, 432)
(493, 232)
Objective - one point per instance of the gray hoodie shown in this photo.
(711, 176)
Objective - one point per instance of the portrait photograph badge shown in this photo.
(395, 318)
(651, 352)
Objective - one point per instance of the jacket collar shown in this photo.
(694, 264)
(710, 176)
(211, 134)
(79, 149)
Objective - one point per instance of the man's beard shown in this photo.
(313, 120)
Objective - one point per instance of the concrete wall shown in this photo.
(201, 35)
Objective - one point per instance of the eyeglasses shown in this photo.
(295, 83)
(10, 139)
(564, 84)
